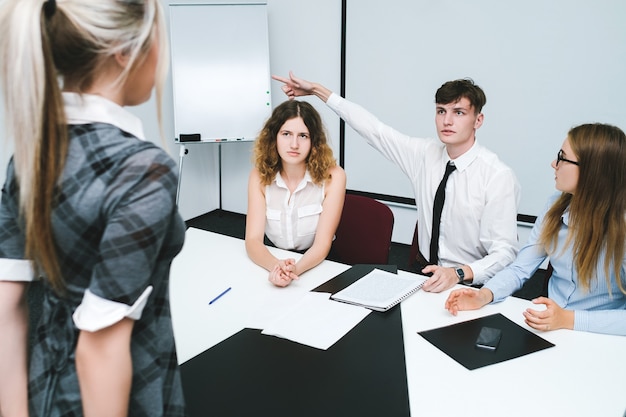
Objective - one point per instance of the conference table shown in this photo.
(229, 368)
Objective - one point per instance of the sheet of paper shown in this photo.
(268, 306)
(316, 321)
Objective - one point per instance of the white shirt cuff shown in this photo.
(333, 100)
(16, 270)
(96, 313)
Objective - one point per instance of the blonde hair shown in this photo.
(597, 208)
(42, 50)
(320, 158)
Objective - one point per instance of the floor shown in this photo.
(234, 224)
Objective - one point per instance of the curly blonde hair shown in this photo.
(320, 158)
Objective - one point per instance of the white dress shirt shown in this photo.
(479, 218)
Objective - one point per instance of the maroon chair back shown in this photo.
(364, 232)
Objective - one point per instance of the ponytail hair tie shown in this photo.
(49, 7)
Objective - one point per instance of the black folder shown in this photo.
(458, 341)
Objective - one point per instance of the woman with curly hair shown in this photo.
(583, 232)
(295, 192)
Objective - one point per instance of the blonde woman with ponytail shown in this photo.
(583, 233)
(88, 207)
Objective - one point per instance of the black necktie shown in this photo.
(440, 196)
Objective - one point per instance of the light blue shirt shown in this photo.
(595, 310)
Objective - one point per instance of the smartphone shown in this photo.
(488, 338)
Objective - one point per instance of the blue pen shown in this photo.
(218, 297)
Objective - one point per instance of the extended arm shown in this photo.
(13, 349)
(104, 367)
(328, 222)
(404, 151)
(255, 232)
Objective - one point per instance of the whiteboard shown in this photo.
(545, 66)
(220, 70)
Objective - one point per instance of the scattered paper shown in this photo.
(316, 321)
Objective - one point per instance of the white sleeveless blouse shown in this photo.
(291, 219)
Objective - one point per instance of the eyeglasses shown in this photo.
(559, 158)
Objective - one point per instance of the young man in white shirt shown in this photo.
(478, 226)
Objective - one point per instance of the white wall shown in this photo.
(304, 37)
(545, 66)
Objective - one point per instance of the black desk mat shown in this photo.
(457, 341)
(250, 374)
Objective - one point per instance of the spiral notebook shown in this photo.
(380, 290)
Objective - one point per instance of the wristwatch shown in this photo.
(460, 274)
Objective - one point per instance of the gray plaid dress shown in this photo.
(117, 230)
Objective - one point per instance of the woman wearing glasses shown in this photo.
(583, 232)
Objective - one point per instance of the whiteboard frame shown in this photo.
(220, 70)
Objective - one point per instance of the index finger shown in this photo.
(281, 79)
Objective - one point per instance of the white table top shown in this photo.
(208, 264)
(583, 375)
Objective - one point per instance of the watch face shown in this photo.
(460, 274)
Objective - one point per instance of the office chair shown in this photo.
(417, 261)
(364, 232)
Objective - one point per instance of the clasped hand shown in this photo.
(283, 272)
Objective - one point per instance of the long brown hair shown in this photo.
(320, 158)
(597, 208)
(70, 40)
